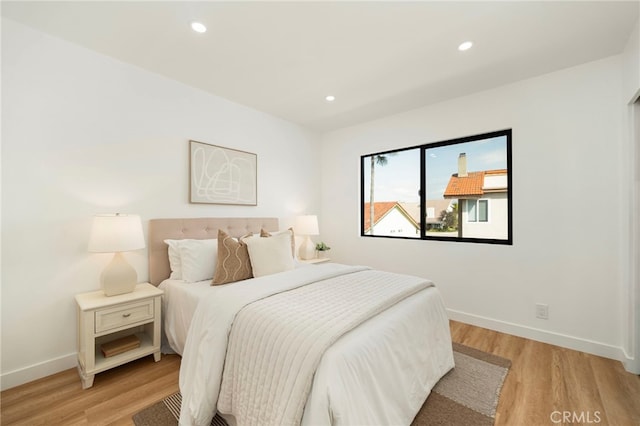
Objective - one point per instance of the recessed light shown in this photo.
(465, 46)
(330, 98)
(198, 27)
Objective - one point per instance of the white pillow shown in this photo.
(198, 259)
(270, 255)
(174, 259)
(294, 241)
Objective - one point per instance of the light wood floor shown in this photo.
(545, 378)
(542, 379)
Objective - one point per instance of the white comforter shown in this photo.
(342, 393)
(276, 343)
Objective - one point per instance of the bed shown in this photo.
(376, 365)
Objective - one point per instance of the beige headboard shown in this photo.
(195, 228)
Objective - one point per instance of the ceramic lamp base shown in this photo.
(118, 277)
(307, 249)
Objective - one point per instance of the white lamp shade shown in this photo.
(307, 225)
(116, 233)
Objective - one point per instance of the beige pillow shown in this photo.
(270, 255)
(233, 260)
(264, 233)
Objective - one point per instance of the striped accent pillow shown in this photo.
(233, 260)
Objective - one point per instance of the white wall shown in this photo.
(85, 134)
(495, 226)
(395, 224)
(631, 66)
(630, 212)
(567, 150)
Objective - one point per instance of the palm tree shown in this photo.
(382, 161)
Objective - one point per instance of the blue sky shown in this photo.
(399, 179)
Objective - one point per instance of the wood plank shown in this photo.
(618, 390)
(41, 403)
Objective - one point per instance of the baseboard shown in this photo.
(558, 339)
(37, 371)
(631, 364)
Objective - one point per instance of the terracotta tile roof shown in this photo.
(470, 185)
(380, 209)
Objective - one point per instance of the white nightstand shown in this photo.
(316, 260)
(102, 319)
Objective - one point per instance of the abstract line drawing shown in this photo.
(220, 175)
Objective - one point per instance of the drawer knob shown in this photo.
(126, 315)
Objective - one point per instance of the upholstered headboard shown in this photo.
(195, 228)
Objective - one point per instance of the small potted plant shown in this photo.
(321, 249)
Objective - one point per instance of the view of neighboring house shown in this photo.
(483, 201)
(390, 218)
(434, 209)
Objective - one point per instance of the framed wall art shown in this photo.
(219, 175)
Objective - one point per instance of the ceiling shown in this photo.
(377, 58)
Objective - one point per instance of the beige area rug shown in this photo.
(467, 395)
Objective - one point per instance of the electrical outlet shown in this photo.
(542, 311)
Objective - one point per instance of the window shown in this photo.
(477, 210)
(454, 190)
(483, 210)
(395, 191)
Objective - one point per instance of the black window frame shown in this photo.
(508, 133)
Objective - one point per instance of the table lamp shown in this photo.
(307, 225)
(116, 233)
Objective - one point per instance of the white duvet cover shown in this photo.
(378, 373)
(179, 303)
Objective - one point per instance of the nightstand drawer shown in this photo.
(123, 315)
